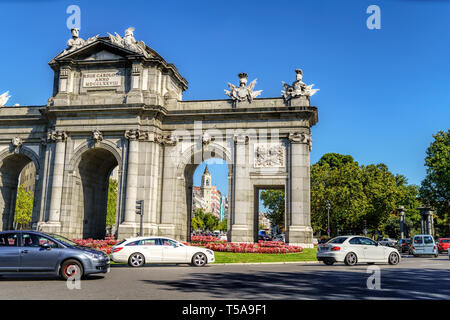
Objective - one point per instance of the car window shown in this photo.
(338, 240)
(445, 240)
(354, 240)
(134, 243)
(368, 242)
(428, 239)
(148, 242)
(168, 242)
(418, 240)
(35, 240)
(9, 240)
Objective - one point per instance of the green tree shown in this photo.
(223, 225)
(273, 200)
(435, 188)
(204, 221)
(24, 208)
(112, 203)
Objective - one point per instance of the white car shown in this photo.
(354, 249)
(138, 251)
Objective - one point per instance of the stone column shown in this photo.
(299, 229)
(426, 214)
(132, 175)
(401, 211)
(242, 194)
(59, 137)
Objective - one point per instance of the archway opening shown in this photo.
(17, 184)
(207, 188)
(270, 217)
(95, 171)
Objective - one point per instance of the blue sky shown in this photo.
(383, 93)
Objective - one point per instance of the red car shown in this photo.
(443, 245)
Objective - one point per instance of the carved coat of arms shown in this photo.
(269, 155)
(243, 92)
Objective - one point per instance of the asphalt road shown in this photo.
(413, 278)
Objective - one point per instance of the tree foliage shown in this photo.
(24, 207)
(112, 203)
(204, 221)
(435, 188)
(274, 201)
(360, 196)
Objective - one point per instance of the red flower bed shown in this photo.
(102, 245)
(261, 247)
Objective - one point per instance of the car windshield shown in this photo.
(63, 240)
(445, 240)
(338, 240)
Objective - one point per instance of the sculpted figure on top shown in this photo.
(243, 92)
(4, 98)
(129, 42)
(298, 88)
(76, 42)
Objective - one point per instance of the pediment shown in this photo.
(100, 49)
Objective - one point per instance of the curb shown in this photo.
(262, 263)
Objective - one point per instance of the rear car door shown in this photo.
(33, 257)
(418, 244)
(428, 245)
(172, 252)
(152, 250)
(9, 252)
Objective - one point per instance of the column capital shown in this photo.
(56, 136)
(301, 137)
(241, 139)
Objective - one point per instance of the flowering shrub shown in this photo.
(102, 245)
(260, 247)
(204, 240)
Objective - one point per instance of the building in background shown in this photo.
(28, 177)
(209, 198)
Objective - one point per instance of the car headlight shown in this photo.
(210, 252)
(94, 255)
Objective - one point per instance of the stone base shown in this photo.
(300, 235)
(49, 227)
(240, 233)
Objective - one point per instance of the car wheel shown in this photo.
(328, 262)
(393, 258)
(350, 259)
(199, 259)
(71, 269)
(136, 260)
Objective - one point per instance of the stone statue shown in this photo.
(76, 42)
(298, 88)
(129, 42)
(4, 98)
(243, 92)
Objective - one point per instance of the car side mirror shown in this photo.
(45, 246)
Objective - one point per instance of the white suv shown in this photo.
(138, 251)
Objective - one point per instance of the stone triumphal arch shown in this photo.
(117, 103)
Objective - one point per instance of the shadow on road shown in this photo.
(396, 283)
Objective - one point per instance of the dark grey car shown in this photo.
(37, 252)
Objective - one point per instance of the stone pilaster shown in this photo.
(59, 137)
(242, 215)
(299, 229)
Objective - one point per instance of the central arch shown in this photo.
(186, 170)
(92, 170)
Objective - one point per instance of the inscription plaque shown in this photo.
(102, 79)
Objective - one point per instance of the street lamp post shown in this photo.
(328, 206)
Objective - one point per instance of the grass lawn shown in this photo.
(231, 257)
